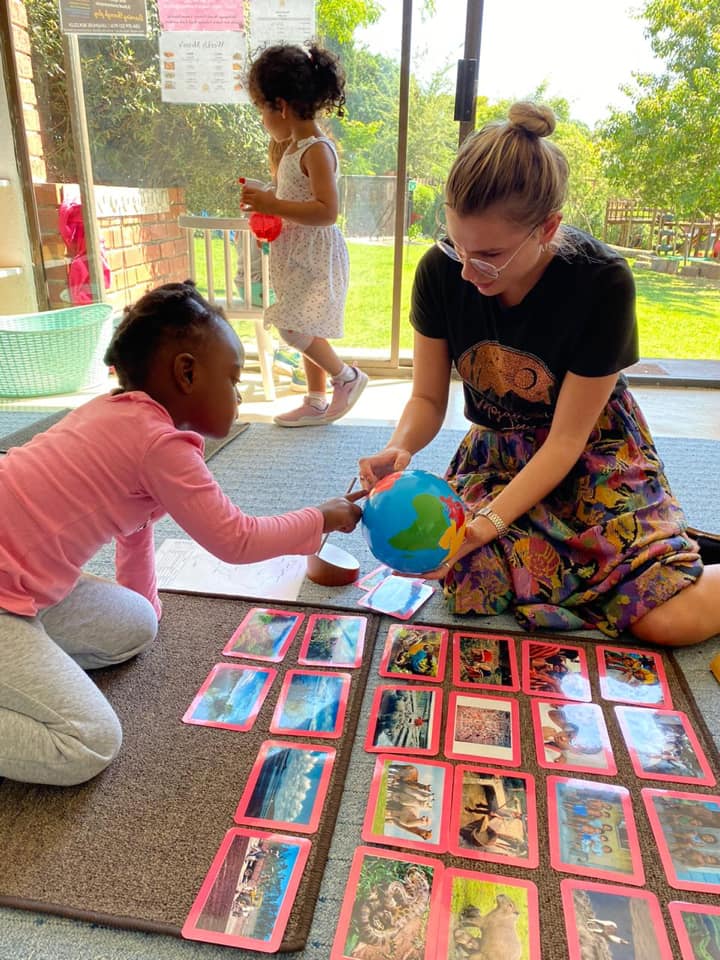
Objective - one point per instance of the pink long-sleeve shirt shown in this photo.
(110, 469)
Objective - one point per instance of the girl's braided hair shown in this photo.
(310, 80)
(173, 311)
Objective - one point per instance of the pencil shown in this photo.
(324, 539)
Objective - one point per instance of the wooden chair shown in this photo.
(238, 246)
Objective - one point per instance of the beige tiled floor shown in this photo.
(671, 411)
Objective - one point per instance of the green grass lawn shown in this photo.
(678, 316)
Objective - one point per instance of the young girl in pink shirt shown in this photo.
(108, 470)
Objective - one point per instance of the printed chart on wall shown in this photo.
(204, 46)
(202, 52)
(281, 21)
(205, 67)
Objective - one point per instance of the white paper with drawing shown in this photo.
(183, 565)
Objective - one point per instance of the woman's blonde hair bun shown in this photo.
(533, 118)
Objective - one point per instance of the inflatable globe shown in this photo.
(413, 521)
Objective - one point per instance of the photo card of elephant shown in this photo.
(230, 697)
(409, 804)
(686, 827)
(663, 746)
(484, 661)
(287, 786)
(494, 816)
(697, 926)
(606, 920)
(390, 897)
(592, 830)
(553, 670)
(488, 915)
(333, 639)
(246, 898)
(264, 634)
(572, 736)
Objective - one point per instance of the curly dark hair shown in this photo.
(309, 80)
(173, 311)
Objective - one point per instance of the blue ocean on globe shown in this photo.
(413, 521)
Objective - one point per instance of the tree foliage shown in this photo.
(138, 140)
(665, 149)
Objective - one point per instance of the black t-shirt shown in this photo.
(578, 318)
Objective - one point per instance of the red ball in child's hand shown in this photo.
(265, 226)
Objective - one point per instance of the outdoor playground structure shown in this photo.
(691, 247)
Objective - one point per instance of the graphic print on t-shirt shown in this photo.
(508, 384)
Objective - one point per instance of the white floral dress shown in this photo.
(309, 266)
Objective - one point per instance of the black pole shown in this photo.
(466, 90)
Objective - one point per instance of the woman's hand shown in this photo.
(478, 533)
(373, 468)
(341, 513)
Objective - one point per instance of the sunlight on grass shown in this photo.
(678, 317)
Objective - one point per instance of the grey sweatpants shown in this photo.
(55, 725)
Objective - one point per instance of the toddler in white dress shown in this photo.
(309, 263)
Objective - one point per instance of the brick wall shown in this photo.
(144, 245)
(21, 42)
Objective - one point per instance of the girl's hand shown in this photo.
(373, 468)
(256, 200)
(341, 513)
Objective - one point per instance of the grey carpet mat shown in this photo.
(34, 426)
(25, 426)
(213, 446)
(132, 847)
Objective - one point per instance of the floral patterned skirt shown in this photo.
(605, 547)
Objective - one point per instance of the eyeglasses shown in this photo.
(488, 270)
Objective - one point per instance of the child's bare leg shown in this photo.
(322, 355)
(691, 616)
(316, 376)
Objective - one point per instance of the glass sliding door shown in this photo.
(397, 145)
(158, 160)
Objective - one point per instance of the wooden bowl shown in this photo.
(332, 566)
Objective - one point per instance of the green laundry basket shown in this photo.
(57, 351)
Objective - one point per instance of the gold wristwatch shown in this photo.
(496, 520)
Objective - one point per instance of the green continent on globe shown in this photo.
(427, 530)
